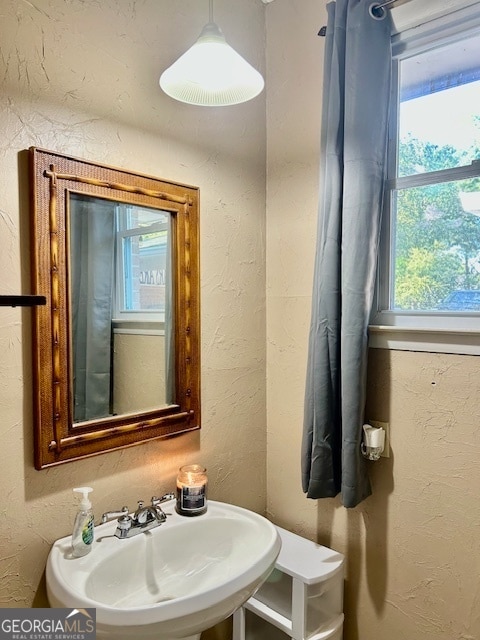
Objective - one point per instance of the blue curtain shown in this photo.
(92, 242)
(357, 76)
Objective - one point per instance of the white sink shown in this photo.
(174, 581)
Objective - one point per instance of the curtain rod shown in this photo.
(383, 4)
(377, 10)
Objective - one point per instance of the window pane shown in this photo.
(145, 285)
(144, 234)
(439, 114)
(436, 247)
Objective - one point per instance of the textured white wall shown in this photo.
(82, 78)
(139, 372)
(412, 552)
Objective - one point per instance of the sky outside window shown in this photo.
(450, 117)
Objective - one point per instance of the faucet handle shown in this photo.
(109, 515)
(165, 498)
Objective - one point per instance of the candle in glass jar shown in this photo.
(191, 490)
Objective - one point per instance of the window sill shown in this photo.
(460, 341)
(139, 327)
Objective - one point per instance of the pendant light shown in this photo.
(211, 73)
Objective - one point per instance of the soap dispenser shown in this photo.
(83, 528)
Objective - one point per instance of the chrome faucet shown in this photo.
(145, 517)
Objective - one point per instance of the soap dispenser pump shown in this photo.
(83, 528)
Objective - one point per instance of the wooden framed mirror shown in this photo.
(116, 348)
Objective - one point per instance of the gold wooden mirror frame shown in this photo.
(57, 439)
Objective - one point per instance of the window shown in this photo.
(429, 264)
(141, 264)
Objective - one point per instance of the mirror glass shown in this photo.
(121, 302)
(116, 350)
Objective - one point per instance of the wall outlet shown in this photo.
(386, 427)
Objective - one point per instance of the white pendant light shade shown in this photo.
(211, 73)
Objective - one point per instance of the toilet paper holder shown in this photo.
(373, 442)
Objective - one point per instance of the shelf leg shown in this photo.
(299, 609)
(239, 624)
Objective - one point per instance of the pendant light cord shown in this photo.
(210, 11)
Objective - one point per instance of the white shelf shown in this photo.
(265, 612)
(306, 560)
(301, 600)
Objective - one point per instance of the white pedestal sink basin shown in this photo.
(174, 581)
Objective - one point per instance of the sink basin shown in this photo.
(173, 581)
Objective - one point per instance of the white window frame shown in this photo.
(133, 321)
(447, 332)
